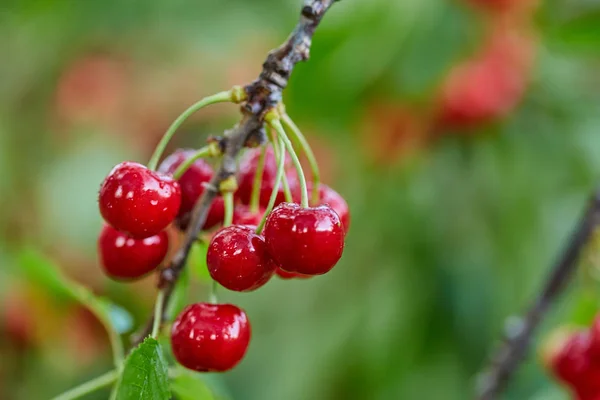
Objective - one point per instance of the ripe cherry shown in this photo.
(137, 201)
(247, 172)
(490, 85)
(242, 215)
(308, 241)
(126, 258)
(210, 337)
(572, 362)
(192, 186)
(238, 259)
(290, 275)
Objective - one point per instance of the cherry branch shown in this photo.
(263, 94)
(509, 356)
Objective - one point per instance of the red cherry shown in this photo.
(242, 215)
(247, 171)
(309, 240)
(137, 201)
(490, 85)
(572, 363)
(210, 337)
(237, 258)
(192, 186)
(290, 275)
(126, 258)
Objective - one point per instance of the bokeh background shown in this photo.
(465, 135)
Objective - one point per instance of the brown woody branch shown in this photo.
(262, 95)
(509, 356)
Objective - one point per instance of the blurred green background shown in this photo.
(453, 228)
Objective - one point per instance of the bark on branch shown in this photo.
(511, 353)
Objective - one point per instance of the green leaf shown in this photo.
(44, 272)
(186, 386)
(197, 262)
(145, 374)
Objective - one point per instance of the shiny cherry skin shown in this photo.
(290, 275)
(137, 201)
(247, 171)
(192, 186)
(238, 259)
(308, 241)
(210, 337)
(242, 215)
(126, 258)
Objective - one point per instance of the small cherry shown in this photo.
(243, 215)
(138, 201)
(290, 275)
(238, 259)
(571, 362)
(308, 240)
(247, 171)
(192, 186)
(126, 258)
(210, 337)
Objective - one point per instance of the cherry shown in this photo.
(290, 275)
(247, 172)
(210, 337)
(237, 258)
(126, 258)
(308, 241)
(192, 186)
(490, 85)
(137, 201)
(242, 215)
(572, 363)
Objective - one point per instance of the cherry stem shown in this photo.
(257, 183)
(158, 306)
(220, 97)
(278, 179)
(203, 152)
(89, 386)
(286, 186)
(212, 297)
(300, 141)
(276, 124)
(228, 200)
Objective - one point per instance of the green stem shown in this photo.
(89, 386)
(228, 200)
(205, 151)
(257, 183)
(279, 177)
(216, 98)
(160, 299)
(276, 123)
(278, 154)
(301, 141)
(212, 297)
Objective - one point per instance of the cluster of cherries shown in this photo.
(139, 204)
(574, 358)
